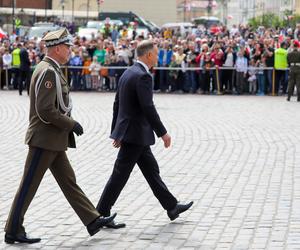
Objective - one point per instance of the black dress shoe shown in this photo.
(115, 225)
(178, 209)
(98, 223)
(22, 238)
(288, 98)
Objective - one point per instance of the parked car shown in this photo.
(126, 18)
(37, 32)
(88, 33)
(207, 21)
(100, 24)
(154, 28)
(183, 27)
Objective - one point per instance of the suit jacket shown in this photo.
(134, 114)
(57, 135)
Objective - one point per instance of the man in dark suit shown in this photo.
(134, 119)
(24, 69)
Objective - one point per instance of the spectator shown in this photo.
(280, 65)
(25, 72)
(229, 62)
(16, 62)
(269, 54)
(76, 63)
(7, 61)
(252, 76)
(104, 80)
(164, 59)
(100, 53)
(241, 71)
(95, 71)
(217, 56)
(112, 73)
(207, 76)
(86, 77)
(119, 72)
(173, 75)
(180, 60)
(261, 76)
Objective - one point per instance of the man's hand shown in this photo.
(167, 140)
(116, 143)
(77, 129)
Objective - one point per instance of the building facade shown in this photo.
(297, 7)
(32, 4)
(157, 11)
(242, 10)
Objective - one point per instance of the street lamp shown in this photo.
(13, 2)
(72, 10)
(87, 10)
(46, 1)
(209, 7)
(62, 2)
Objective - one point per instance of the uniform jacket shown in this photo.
(134, 114)
(294, 57)
(57, 135)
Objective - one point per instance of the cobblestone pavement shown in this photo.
(236, 157)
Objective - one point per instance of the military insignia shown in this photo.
(48, 84)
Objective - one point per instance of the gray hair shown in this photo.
(144, 47)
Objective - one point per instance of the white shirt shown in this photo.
(241, 64)
(144, 65)
(229, 60)
(7, 59)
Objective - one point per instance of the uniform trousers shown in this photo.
(37, 162)
(128, 156)
(294, 79)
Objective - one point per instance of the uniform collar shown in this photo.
(56, 66)
(53, 61)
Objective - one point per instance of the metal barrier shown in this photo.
(216, 69)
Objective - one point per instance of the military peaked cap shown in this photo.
(61, 36)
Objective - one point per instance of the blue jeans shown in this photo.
(270, 80)
(190, 81)
(261, 83)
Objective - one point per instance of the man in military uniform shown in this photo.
(49, 134)
(294, 76)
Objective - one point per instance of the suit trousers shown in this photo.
(37, 162)
(128, 156)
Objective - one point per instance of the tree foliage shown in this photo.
(271, 20)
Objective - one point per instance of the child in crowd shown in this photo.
(207, 65)
(104, 80)
(261, 76)
(173, 74)
(95, 70)
(252, 77)
(86, 72)
(112, 73)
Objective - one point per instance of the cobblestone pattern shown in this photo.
(237, 157)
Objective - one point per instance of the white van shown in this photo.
(184, 27)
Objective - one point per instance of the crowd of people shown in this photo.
(233, 60)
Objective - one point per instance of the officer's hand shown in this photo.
(77, 129)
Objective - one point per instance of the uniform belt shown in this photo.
(295, 64)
